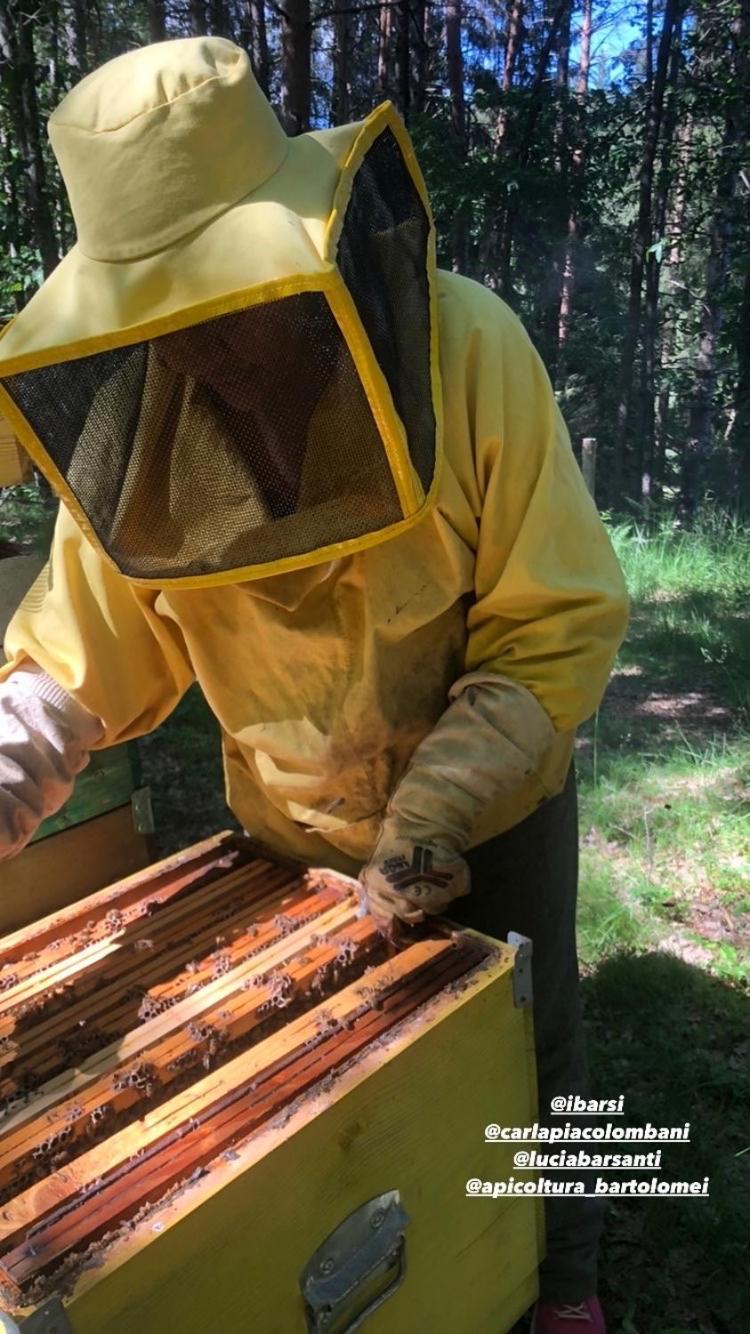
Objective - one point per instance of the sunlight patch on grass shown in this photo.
(666, 855)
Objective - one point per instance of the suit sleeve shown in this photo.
(111, 644)
(551, 607)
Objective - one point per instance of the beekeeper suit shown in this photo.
(302, 466)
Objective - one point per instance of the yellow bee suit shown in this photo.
(325, 679)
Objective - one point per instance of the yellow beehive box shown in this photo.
(15, 464)
(346, 1206)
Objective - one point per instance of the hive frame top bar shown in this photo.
(297, 941)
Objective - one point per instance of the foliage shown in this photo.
(539, 180)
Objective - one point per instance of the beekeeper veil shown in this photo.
(234, 372)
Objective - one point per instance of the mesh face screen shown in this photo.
(240, 441)
(383, 261)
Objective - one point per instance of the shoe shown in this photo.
(568, 1318)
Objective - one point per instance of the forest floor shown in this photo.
(664, 914)
(664, 923)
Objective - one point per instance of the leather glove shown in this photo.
(45, 737)
(408, 880)
(490, 739)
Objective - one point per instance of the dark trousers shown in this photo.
(526, 880)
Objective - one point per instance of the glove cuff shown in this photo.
(489, 741)
(31, 682)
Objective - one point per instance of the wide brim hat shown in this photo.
(234, 372)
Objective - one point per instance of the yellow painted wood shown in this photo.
(15, 464)
(68, 866)
(408, 1115)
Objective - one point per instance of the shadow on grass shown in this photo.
(676, 1042)
(701, 638)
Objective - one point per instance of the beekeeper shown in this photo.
(304, 468)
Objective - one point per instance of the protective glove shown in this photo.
(45, 737)
(488, 742)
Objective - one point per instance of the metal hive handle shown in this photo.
(367, 1245)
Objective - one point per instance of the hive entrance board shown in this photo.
(149, 1030)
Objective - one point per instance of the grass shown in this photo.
(664, 923)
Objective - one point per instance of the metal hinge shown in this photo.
(48, 1319)
(523, 992)
(143, 814)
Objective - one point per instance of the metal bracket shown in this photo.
(366, 1247)
(143, 814)
(48, 1319)
(523, 993)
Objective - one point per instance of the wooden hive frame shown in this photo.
(146, 1032)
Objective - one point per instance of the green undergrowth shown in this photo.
(664, 921)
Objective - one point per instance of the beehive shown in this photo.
(207, 1067)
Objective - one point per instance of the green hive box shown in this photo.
(99, 835)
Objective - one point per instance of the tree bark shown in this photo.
(578, 164)
(219, 18)
(455, 69)
(403, 59)
(702, 402)
(672, 267)
(741, 430)
(80, 35)
(157, 23)
(421, 57)
(257, 41)
(740, 436)
(385, 50)
(198, 20)
(341, 92)
(19, 77)
(295, 66)
(455, 74)
(513, 44)
(702, 414)
(646, 452)
(641, 242)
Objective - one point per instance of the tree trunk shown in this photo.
(157, 26)
(219, 18)
(741, 430)
(641, 242)
(513, 45)
(559, 221)
(385, 50)
(295, 66)
(525, 142)
(740, 435)
(563, 51)
(421, 57)
(673, 257)
(403, 58)
(341, 92)
(702, 405)
(255, 11)
(455, 72)
(455, 69)
(647, 434)
(579, 163)
(19, 76)
(80, 35)
(699, 443)
(198, 20)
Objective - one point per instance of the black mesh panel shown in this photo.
(242, 440)
(383, 261)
